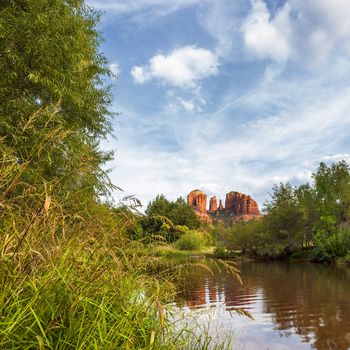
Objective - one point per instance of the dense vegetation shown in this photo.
(178, 211)
(68, 279)
(164, 220)
(311, 220)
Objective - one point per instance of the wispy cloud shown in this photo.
(150, 8)
(222, 20)
(283, 146)
(187, 104)
(336, 157)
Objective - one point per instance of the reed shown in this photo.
(70, 280)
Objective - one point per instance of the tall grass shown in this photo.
(70, 286)
(68, 278)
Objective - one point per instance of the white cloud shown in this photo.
(115, 69)
(183, 67)
(138, 74)
(307, 31)
(267, 37)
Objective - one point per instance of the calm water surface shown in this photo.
(295, 306)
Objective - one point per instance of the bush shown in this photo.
(220, 250)
(347, 258)
(328, 247)
(153, 229)
(191, 240)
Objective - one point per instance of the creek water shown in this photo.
(294, 306)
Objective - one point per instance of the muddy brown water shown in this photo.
(294, 306)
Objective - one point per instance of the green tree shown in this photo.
(284, 220)
(313, 217)
(160, 206)
(307, 202)
(182, 214)
(178, 212)
(332, 186)
(54, 108)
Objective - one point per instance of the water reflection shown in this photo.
(295, 306)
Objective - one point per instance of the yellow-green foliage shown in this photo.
(191, 240)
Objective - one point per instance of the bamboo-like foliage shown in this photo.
(54, 108)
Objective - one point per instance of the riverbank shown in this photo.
(170, 251)
(301, 256)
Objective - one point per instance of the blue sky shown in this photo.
(225, 94)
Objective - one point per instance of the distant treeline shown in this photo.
(310, 221)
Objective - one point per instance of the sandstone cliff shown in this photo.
(213, 205)
(198, 200)
(220, 205)
(238, 206)
(241, 204)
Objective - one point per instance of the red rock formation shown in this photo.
(231, 200)
(238, 206)
(241, 204)
(204, 217)
(198, 200)
(221, 207)
(213, 204)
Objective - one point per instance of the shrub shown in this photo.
(347, 258)
(191, 240)
(220, 250)
(330, 246)
(152, 229)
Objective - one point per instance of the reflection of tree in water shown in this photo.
(312, 300)
(200, 287)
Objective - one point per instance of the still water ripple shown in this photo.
(294, 306)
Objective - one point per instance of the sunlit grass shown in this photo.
(71, 281)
